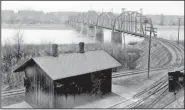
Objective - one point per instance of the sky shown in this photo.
(148, 7)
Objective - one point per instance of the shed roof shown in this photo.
(72, 64)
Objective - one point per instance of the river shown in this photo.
(40, 36)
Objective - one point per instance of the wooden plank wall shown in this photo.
(40, 92)
(84, 90)
(66, 95)
(45, 89)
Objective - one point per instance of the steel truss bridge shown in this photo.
(128, 22)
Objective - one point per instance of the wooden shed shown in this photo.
(50, 81)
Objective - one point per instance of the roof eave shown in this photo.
(21, 66)
(53, 78)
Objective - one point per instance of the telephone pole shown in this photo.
(151, 29)
(178, 30)
(149, 51)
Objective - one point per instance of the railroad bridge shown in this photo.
(133, 23)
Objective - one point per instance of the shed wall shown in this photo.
(75, 91)
(39, 90)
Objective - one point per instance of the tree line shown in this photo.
(40, 17)
(34, 17)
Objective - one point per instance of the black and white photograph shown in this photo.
(92, 54)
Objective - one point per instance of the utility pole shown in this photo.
(178, 30)
(124, 41)
(151, 29)
(125, 49)
(141, 13)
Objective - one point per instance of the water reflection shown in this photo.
(46, 36)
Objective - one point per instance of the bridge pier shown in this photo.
(99, 34)
(116, 37)
(81, 26)
(84, 28)
(78, 26)
(73, 24)
(70, 23)
(91, 31)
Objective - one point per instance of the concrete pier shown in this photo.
(78, 27)
(116, 37)
(99, 34)
(91, 31)
(84, 28)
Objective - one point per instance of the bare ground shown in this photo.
(12, 100)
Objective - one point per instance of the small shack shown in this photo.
(50, 81)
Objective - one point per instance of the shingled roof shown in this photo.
(72, 64)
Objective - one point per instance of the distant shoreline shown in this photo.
(37, 26)
(55, 26)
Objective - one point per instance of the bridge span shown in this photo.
(133, 23)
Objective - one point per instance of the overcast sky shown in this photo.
(149, 7)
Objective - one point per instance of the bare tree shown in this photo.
(12, 53)
(18, 44)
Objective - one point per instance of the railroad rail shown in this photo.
(135, 72)
(179, 51)
(160, 87)
(10, 93)
(143, 95)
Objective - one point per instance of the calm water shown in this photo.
(46, 36)
(170, 32)
(71, 36)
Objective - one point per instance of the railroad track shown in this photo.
(135, 72)
(180, 61)
(178, 51)
(158, 55)
(11, 93)
(143, 95)
(160, 87)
